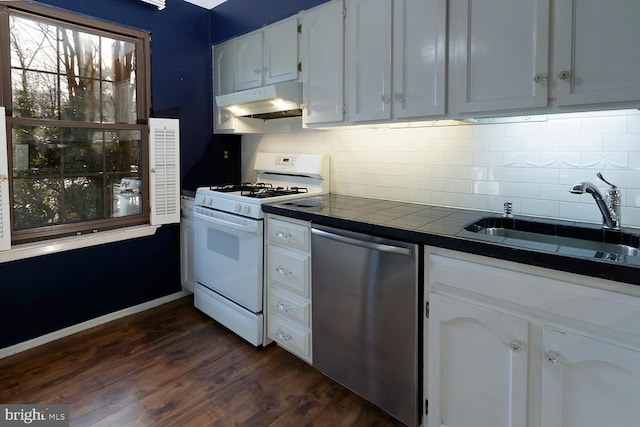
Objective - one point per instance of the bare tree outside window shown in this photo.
(75, 135)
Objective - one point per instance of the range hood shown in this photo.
(266, 102)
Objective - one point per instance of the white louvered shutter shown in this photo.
(164, 170)
(5, 223)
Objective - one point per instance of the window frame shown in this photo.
(142, 41)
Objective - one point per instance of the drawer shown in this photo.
(289, 269)
(290, 337)
(288, 234)
(528, 287)
(290, 306)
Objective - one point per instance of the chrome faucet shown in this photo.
(610, 209)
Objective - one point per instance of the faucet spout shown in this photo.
(610, 210)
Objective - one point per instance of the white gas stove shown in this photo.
(229, 238)
(280, 177)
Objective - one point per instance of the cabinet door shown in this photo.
(281, 52)
(588, 383)
(498, 50)
(223, 68)
(369, 59)
(597, 58)
(248, 54)
(477, 365)
(322, 54)
(419, 57)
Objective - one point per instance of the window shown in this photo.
(76, 92)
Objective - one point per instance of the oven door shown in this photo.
(228, 256)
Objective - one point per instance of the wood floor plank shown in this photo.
(174, 366)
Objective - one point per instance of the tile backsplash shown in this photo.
(531, 164)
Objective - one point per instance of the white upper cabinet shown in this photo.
(419, 58)
(405, 39)
(368, 56)
(267, 56)
(322, 56)
(499, 52)
(281, 52)
(248, 69)
(597, 55)
(224, 68)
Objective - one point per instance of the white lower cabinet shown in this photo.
(515, 345)
(482, 359)
(288, 275)
(588, 381)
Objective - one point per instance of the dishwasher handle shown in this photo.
(381, 247)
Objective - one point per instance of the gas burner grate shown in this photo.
(266, 191)
(230, 188)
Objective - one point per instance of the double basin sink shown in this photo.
(560, 237)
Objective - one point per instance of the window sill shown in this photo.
(29, 250)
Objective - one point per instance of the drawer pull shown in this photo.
(283, 307)
(283, 235)
(283, 335)
(283, 271)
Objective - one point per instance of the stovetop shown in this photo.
(279, 177)
(246, 199)
(258, 190)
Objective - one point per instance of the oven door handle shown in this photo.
(249, 227)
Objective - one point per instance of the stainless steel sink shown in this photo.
(559, 236)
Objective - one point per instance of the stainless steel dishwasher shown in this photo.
(365, 316)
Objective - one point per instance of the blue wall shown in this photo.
(237, 17)
(47, 293)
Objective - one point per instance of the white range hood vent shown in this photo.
(266, 102)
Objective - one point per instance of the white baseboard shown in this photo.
(43, 339)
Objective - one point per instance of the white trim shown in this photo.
(160, 4)
(5, 207)
(164, 171)
(28, 250)
(26, 345)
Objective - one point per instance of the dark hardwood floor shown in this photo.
(173, 366)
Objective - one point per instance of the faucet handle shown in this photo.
(599, 175)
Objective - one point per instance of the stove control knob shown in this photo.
(202, 199)
(237, 207)
(245, 210)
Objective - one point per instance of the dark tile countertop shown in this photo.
(444, 227)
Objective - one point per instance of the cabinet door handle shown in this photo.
(516, 346)
(385, 99)
(257, 71)
(4, 178)
(283, 271)
(265, 69)
(552, 358)
(398, 96)
(283, 335)
(564, 75)
(540, 78)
